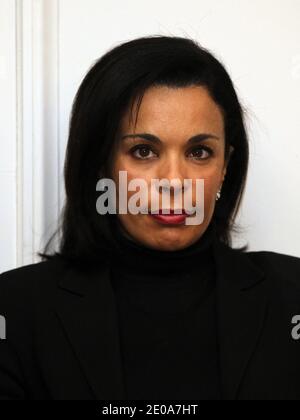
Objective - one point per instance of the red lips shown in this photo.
(172, 212)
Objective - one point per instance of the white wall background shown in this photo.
(47, 46)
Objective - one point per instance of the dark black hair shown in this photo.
(116, 80)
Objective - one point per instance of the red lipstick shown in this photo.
(170, 218)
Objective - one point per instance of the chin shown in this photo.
(170, 241)
(165, 246)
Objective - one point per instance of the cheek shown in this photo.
(210, 186)
(122, 164)
(132, 174)
(211, 176)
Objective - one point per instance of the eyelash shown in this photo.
(145, 146)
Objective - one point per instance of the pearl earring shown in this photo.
(218, 195)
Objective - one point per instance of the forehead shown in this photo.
(166, 110)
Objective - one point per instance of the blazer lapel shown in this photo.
(241, 308)
(86, 309)
(88, 313)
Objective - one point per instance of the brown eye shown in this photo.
(141, 152)
(202, 153)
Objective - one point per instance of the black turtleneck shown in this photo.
(166, 308)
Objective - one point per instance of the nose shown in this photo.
(171, 174)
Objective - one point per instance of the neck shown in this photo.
(136, 258)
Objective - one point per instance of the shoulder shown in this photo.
(23, 284)
(274, 260)
(282, 272)
(43, 271)
(27, 298)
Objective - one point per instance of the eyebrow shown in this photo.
(150, 137)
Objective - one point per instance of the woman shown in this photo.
(142, 305)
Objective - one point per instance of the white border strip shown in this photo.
(37, 121)
(19, 132)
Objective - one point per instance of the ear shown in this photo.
(224, 174)
(231, 150)
(224, 170)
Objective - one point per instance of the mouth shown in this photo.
(170, 217)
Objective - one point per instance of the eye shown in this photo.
(198, 152)
(143, 151)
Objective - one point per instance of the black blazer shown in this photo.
(62, 338)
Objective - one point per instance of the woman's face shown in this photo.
(173, 115)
